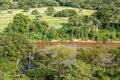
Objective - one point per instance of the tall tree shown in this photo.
(20, 23)
(104, 15)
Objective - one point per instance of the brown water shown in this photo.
(76, 45)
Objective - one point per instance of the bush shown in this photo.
(65, 13)
(35, 12)
(25, 8)
(50, 11)
(5, 7)
(37, 17)
(9, 11)
(40, 73)
(20, 23)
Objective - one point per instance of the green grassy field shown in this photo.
(6, 17)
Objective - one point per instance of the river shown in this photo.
(75, 45)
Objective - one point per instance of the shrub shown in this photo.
(37, 17)
(5, 7)
(35, 12)
(50, 11)
(9, 11)
(20, 23)
(65, 13)
(40, 73)
(25, 8)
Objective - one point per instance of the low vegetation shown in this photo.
(35, 12)
(65, 13)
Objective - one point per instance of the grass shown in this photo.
(6, 17)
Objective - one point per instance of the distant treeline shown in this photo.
(86, 4)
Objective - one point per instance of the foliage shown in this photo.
(39, 30)
(40, 73)
(25, 8)
(14, 48)
(38, 16)
(35, 12)
(104, 15)
(78, 27)
(20, 61)
(21, 24)
(57, 58)
(54, 62)
(52, 33)
(50, 11)
(90, 4)
(65, 13)
(77, 20)
(9, 11)
(5, 7)
(94, 56)
(39, 26)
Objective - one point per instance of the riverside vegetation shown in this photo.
(21, 60)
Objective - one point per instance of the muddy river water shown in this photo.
(76, 45)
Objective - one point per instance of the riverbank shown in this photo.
(77, 40)
(78, 44)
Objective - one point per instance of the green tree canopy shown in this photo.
(20, 24)
(65, 13)
(14, 48)
(50, 11)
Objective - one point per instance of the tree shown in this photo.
(39, 30)
(26, 8)
(20, 23)
(104, 15)
(78, 20)
(14, 48)
(57, 58)
(39, 26)
(65, 13)
(35, 12)
(75, 21)
(52, 33)
(40, 73)
(50, 11)
(96, 24)
(5, 7)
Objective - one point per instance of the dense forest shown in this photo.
(20, 59)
